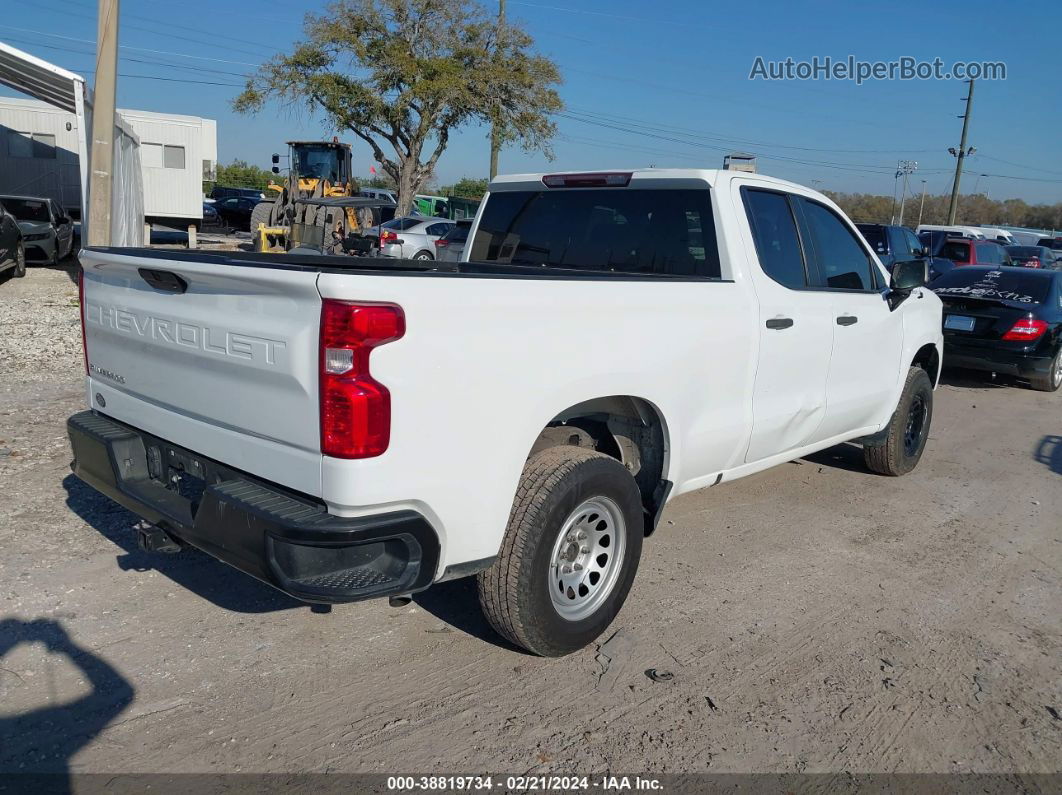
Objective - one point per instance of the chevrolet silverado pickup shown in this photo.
(345, 428)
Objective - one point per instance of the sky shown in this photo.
(662, 84)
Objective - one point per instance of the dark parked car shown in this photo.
(899, 244)
(1032, 256)
(210, 215)
(963, 251)
(451, 246)
(47, 231)
(235, 211)
(218, 193)
(12, 249)
(1053, 243)
(1004, 320)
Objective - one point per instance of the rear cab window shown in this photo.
(634, 230)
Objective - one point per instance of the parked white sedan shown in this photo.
(412, 236)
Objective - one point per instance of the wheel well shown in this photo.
(629, 429)
(928, 358)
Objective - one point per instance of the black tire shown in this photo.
(900, 445)
(1052, 380)
(515, 593)
(54, 261)
(423, 255)
(259, 215)
(20, 260)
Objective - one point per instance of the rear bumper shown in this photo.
(996, 360)
(284, 539)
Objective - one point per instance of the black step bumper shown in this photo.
(285, 539)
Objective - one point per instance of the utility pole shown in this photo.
(905, 167)
(960, 155)
(495, 133)
(101, 161)
(921, 204)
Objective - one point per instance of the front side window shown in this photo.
(775, 233)
(843, 262)
(624, 230)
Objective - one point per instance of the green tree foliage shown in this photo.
(973, 209)
(402, 75)
(240, 174)
(468, 187)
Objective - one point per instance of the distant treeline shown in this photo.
(976, 209)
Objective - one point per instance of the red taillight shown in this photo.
(440, 243)
(81, 303)
(592, 180)
(1033, 263)
(387, 234)
(355, 407)
(1026, 330)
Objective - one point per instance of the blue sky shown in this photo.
(663, 83)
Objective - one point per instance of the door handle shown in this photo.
(847, 320)
(779, 323)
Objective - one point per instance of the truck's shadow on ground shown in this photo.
(456, 603)
(38, 744)
(191, 569)
(1049, 452)
(846, 456)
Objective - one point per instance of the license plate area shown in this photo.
(959, 323)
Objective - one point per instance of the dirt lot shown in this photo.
(815, 618)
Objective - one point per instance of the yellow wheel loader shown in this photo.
(318, 170)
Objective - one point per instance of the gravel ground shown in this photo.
(815, 618)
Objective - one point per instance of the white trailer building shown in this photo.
(39, 157)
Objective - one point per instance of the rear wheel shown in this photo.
(898, 451)
(422, 255)
(20, 260)
(1052, 380)
(569, 555)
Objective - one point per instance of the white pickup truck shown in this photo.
(346, 428)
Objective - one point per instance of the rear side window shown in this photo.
(626, 230)
(439, 229)
(775, 233)
(458, 232)
(1023, 286)
(843, 262)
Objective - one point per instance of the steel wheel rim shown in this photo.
(916, 423)
(580, 582)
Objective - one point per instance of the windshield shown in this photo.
(316, 162)
(1023, 286)
(669, 232)
(27, 209)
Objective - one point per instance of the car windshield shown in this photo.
(957, 251)
(27, 209)
(1025, 252)
(874, 235)
(402, 224)
(1055, 244)
(1023, 286)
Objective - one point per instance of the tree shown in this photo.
(469, 187)
(239, 174)
(402, 75)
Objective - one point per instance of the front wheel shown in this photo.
(569, 555)
(897, 450)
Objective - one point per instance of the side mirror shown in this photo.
(276, 169)
(908, 275)
(276, 158)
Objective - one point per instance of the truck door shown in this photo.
(868, 335)
(795, 329)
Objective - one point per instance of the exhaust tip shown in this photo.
(400, 601)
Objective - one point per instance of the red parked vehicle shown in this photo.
(963, 251)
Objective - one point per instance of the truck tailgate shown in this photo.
(219, 358)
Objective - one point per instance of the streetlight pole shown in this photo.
(905, 167)
(960, 155)
(922, 204)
